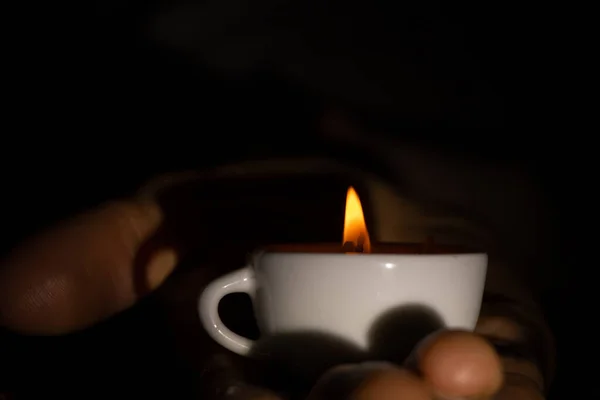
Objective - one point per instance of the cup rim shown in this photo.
(306, 253)
(378, 249)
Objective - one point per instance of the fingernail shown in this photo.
(160, 266)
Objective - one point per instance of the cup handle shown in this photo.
(240, 281)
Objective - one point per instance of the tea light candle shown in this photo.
(288, 283)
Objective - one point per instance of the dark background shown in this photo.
(100, 101)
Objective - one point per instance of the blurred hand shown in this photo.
(84, 271)
(102, 262)
(447, 365)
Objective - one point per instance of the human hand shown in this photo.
(453, 365)
(90, 268)
(85, 270)
(447, 365)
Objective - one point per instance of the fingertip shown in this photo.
(160, 266)
(460, 364)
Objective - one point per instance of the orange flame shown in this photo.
(355, 227)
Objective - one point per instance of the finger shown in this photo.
(82, 271)
(459, 365)
(391, 385)
(224, 380)
(517, 349)
(519, 392)
(369, 381)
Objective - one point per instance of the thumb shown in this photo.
(83, 271)
(459, 365)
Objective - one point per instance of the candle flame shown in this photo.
(355, 227)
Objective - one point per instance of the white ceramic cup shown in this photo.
(343, 295)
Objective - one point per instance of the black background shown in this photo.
(96, 107)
